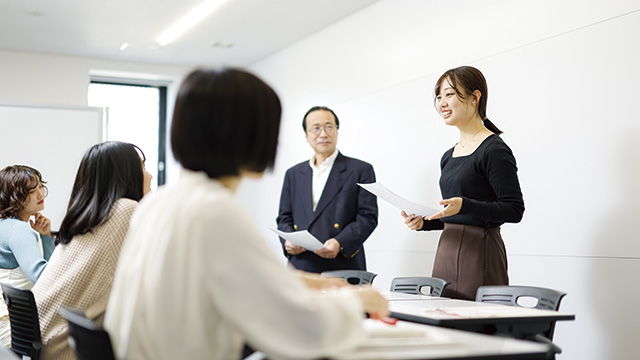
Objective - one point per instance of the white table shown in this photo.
(475, 316)
(405, 341)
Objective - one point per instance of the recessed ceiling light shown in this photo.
(222, 45)
(124, 46)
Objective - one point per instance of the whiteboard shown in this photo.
(51, 140)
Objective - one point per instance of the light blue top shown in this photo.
(19, 248)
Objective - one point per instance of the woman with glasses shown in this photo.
(479, 185)
(26, 242)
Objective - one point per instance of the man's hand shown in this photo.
(331, 249)
(293, 249)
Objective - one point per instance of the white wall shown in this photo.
(54, 80)
(563, 85)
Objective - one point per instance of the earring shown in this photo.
(473, 102)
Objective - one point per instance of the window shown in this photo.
(135, 114)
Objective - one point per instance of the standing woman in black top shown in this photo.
(480, 188)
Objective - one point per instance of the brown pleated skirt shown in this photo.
(469, 257)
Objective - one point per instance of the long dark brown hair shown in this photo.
(108, 172)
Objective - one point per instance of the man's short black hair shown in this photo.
(225, 121)
(316, 108)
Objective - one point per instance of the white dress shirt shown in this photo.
(320, 176)
(196, 279)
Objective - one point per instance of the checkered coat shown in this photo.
(80, 275)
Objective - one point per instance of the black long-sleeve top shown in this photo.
(487, 182)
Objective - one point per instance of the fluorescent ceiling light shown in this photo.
(188, 21)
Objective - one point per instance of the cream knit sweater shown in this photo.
(80, 275)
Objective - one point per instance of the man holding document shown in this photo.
(322, 196)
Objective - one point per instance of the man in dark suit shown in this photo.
(322, 196)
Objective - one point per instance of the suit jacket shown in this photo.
(345, 212)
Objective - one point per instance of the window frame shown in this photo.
(162, 117)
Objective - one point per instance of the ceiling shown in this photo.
(99, 28)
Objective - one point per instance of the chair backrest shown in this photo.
(547, 299)
(23, 317)
(88, 340)
(414, 285)
(353, 277)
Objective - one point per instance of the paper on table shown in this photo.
(380, 335)
(484, 312)
(301, 238)
(401, 203)
(398, 296)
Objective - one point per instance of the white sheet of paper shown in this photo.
(301, 238)
(401, 203)
(398, 296)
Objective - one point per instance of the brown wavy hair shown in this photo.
(15, 184)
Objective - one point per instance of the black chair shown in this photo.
(353, 277)
(545, 299)
(23, 316)
(88, 340)
(414, 285)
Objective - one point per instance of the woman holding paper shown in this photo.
(480, 188)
